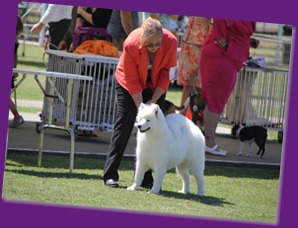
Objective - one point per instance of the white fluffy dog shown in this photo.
(167, 142)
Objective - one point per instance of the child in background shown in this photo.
(18, 119)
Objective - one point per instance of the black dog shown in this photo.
(250, 134)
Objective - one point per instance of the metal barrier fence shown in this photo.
(259, 98)
(50, 94)
(93, 105)
(97, 104)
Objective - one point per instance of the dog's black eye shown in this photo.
(147, 120)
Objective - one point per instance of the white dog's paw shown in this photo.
(201, 193)
(154, 191)
(132, 188)
(184, 191)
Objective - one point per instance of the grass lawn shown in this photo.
(231, 192)
(33, 59)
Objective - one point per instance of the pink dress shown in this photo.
(219, 66)
(189, 60)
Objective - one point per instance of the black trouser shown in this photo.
(57, 30)
(126, 115)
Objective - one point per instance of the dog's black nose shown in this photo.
(139, 126)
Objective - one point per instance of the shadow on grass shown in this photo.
(230, 171)
(242, 172)
(45, 174)
(208, 200)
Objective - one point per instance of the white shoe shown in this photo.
(216, 151)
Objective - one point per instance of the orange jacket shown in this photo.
(132, 69)
(97, 47)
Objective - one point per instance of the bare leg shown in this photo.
(13, 109)
(210, 120)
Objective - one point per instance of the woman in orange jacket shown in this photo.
(142, 76)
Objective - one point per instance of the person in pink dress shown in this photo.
(223, 54)
(189, 75)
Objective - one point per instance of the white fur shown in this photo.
(171, 141)
(249, 154)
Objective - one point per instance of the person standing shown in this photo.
(223, 54)
(66, 42)
(142, 76)
(168, 21)
(121, 25)
(17, 118)
(189, 75)
(93, 17)
(58, 18)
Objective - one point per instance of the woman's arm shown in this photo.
(126, 21)
(156, 94)
(79, 22)
(137, 98)
(87, 16)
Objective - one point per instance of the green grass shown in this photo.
(231, 192)
(174, 94)
(33, 59)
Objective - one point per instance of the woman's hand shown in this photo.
(80, 10)
(222, 43)
(62, 45)
(151, 101)
(254, 43)
(86, 16)
(37, 28)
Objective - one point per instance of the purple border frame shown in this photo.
(50, 215)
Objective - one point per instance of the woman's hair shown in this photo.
(151, 27)
(20, 26)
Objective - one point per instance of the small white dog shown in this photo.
(167, 142)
